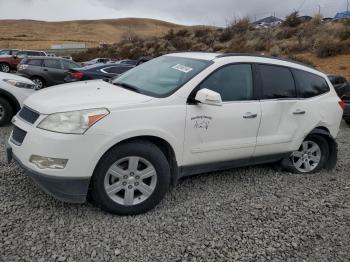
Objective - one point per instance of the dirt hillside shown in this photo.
(40, 34)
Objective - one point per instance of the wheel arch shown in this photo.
(12, 100)
(38, 76)
(333, 145)
(162, 144)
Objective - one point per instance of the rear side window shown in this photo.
(115, 69)
(310, 85)
(34, 62)
(52, 63)
(69, 65)
(277, 82)
(232, 82)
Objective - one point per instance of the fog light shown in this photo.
(48, 162)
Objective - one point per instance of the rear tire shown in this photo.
(348, 122)
(136, 176)
(5, 68)
(40, 83)
(6, 111)
(310, 158)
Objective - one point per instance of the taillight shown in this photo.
(22, 67)
(77, 75)
(342, 104)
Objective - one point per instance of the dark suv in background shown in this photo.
(341, 85)
(46, 71)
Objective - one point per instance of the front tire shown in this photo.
(40, 83)
(5, 68)
(6, 111)
(310, 158)
(131, 178)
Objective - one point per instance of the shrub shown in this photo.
(240, 27)
(202, 32)
(183, 33)
(344, 34)
(286, 33)
(301, 60)
(329, 47)
(292, 20)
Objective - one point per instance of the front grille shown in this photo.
(18, 136)
(28, 115)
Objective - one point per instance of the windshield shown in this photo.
(162, 76)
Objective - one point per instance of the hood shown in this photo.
(15, 77)
(83, 95)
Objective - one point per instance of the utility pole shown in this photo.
(347, 6)
(319, 9)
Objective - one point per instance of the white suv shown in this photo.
(127, 141)
(14, 90)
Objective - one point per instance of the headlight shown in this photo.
(74, 122)
(19, 84)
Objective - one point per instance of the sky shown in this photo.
(188, 12)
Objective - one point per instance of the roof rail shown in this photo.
(264, 56)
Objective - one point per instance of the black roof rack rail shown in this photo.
(265, 56)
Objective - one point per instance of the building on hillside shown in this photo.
(268, 22)
(305, 18)
(67, 49)
(69, 46)
(327, 19)
(342, 15)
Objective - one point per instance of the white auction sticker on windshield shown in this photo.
(183, 68)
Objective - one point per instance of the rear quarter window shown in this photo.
(310, 85)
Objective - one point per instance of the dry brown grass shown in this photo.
(29, 34)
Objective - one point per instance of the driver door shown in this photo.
(227, 132)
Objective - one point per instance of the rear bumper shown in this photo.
(66, 189)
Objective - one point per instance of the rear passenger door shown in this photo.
(283, 114)
(53, 72)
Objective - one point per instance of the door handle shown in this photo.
(250, 115)
(45, 70)
(299, 112)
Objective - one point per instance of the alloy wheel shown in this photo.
(39, 84)
(130, 181)
(308, 157)
(5, 68)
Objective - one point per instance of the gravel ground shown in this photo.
(247, 214)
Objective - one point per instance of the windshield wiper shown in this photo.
(127, 86)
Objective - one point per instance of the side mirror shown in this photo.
(208, 97)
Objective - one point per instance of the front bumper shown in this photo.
(67, 189)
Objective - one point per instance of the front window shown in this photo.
(4, 52)
(162, 76)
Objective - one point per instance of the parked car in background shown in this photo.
(134, 62)
(10, 62)
(46, 71)
(341, 85)
(24, 53)
(126, 141)
(96, 61)
(13, 91)
(99, 71)
(346, 115)
(7, 52)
